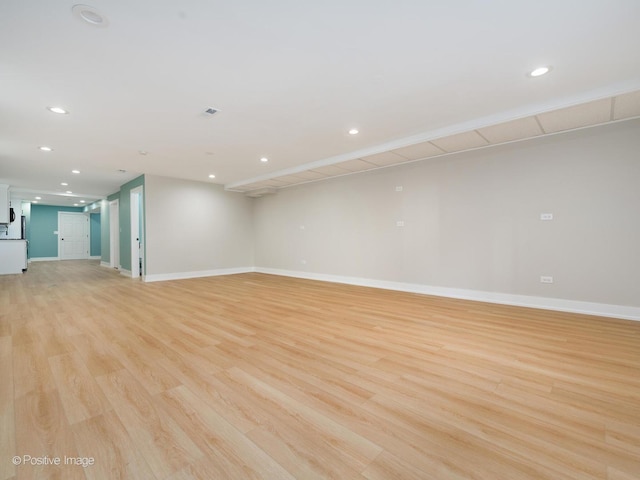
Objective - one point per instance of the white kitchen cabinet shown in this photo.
(4, 203)
(13, 256)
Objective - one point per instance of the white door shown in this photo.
(73, 236)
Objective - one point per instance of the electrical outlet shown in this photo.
(303, 262)
(399, 223)
(399, 188)
(545, 279)
(546, 216)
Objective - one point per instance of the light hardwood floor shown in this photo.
(265, 377)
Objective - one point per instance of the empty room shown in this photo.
(331, 240)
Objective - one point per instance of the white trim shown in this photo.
(197, 274)
(43, 259)
(126, 273)
(95, 257)
(544, 303)
(104, 264)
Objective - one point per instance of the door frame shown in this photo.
(137, 234)
(114, 234)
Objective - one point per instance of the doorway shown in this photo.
(114, 234)
(137, 233)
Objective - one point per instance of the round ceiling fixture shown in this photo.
(59, 110)
(212, 176)
(538, 72)
(90, 15)
(353, 131)
(264, 159)
(44, 148)
(75, 171)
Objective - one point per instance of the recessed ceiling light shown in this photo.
(35, 201)
(81, 201)
(538, 72)
(44, 148)
(90, 15)
(38, 198)
(58, 110)
(75, 204)
(353, 131)
(143, 152)
(212, 176)
(69, 191)
(264, 159)
(75, 171)
(64, 184)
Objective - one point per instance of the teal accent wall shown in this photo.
(94, 234)
(42, 223)
(125, 220)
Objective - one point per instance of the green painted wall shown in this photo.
(43, 222)
(94, 234)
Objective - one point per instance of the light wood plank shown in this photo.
(104, 439)
(164, 445)
(7, 412)
(80, 394)
(260, 376)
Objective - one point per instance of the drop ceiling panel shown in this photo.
(583, 115)
(263, 184)
(385, 158)
(515, 130)
(311, 175)
(331, 170)
(627, 106)
(252, 186)
(357, 165)
(273, 182)
(418, 151)
(291, 179)
(460, 141)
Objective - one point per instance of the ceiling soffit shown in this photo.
(598, 112)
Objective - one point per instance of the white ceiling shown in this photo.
(418, 78)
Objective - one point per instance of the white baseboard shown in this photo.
(44, 259)
(105, 264)
(544, 303)
(126, 273)
(96, 257)
(197, 274)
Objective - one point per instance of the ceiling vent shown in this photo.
(211, 111)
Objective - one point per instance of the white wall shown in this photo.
(195, 229)
(472, 222)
